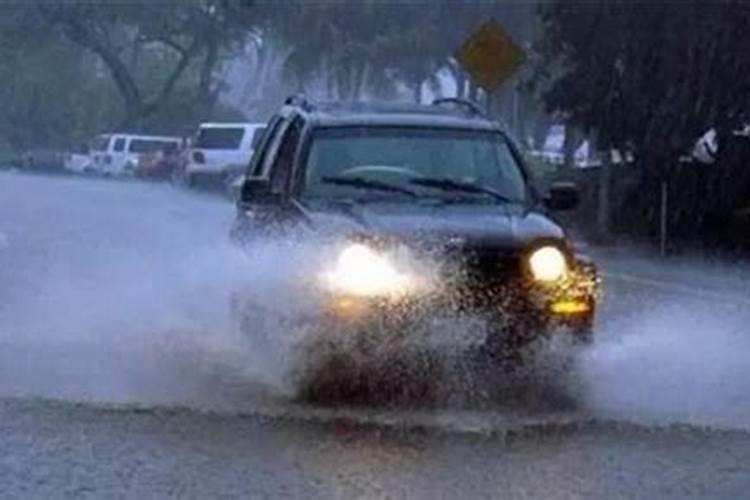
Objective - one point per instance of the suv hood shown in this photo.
(507, 226)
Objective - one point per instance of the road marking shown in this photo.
(676, 287)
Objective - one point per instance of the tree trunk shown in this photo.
(146, 109)
(571, 142)
(256, 82)
(121, 76)
(417, 89)
(131, 98)
(361, 80)
(541, 129)
(329, 81)
(344, 82)
(354, 75)
(207, 94)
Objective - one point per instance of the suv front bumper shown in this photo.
(510, 317)
(517, 307)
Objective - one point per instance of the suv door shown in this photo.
(261, 159)
(268, 166)
(283, 162)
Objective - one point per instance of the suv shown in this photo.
(219, 150)
(429, 212)
(118, 154)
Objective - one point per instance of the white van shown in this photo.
(118, 154)
(221, 150)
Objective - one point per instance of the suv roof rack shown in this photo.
(299, 100)
(457, 102)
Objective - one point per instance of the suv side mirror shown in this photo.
(562, 196)
(257, 190)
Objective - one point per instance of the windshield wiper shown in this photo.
(363, 183)
(447, 184)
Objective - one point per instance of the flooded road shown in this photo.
(119, 375)
(57, 449)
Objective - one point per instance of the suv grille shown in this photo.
(490, 265)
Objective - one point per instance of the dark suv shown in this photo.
(430, 212)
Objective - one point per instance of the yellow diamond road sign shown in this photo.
(490, 56)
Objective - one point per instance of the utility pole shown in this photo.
(663, 220)
(605, 181)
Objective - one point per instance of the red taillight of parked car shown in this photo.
(148, 160)
(199, 157)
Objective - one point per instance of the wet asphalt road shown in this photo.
(117, 377)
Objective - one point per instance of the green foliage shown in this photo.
(373, 47)
(150, 48)
(651, 77)
(73, 69)
(42, 97)
(648, 76)
(157, 66)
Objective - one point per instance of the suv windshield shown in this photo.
(219, 138)
(400, 155)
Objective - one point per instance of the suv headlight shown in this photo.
(363, 271)
(548, 263)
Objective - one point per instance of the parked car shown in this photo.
(43, 160)
(77, 161)
(221, 150)
(118, 154)
(159, 165)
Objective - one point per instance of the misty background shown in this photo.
(630, 90)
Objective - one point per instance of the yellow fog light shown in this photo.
(548, 264)
(348, 308)
(570, 307)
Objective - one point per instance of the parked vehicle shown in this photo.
(76, 163)
(43, 160)
(221, 151)
(159, 165)
(118, 154)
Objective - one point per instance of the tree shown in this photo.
(177, 34)
(371, 47)
(49, 95)
(649, 78)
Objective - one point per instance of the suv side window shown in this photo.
(261, 155)
(283, 163)
(119, 146)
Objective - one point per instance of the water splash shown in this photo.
(686, 361)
